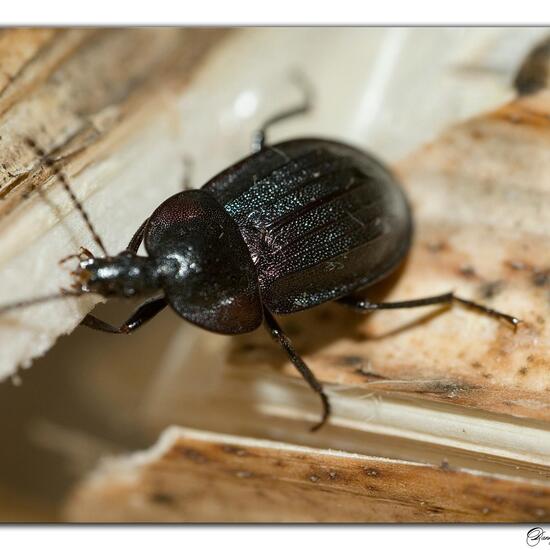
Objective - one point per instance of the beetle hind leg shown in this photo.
(360, 304)
(278, 335)
(259, 136)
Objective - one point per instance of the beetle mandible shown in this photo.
(287, 228)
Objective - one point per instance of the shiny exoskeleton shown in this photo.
(290, 227)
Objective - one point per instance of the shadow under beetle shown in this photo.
(287, 228)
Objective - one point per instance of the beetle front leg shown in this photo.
(277, 333)
(363, 305)
(145, 312)
(135, 241)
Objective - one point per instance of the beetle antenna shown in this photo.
(50, 163)
(40, 300)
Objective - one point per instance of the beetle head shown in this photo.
(124, 275)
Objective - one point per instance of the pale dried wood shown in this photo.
(417, 378)
(103, 102)
(427, 383)
(203, 477)
(479, 194)
(122, 107)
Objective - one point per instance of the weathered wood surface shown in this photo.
(477, 192)
(446, 397)
(203, 477)
(120, 108)
(480, 194)
(457, 401)
(102, 102)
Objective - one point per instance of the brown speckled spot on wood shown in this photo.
(434, 509)
(352, 361)
(477, 134)
(467, 271)
(541, 278)
(517, 265)
(491, 289)
(162, 498)
(437, 247)
(449, 388)
(231, 449)
(192, 454)
(244, 474)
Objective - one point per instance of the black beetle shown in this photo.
(290, 227)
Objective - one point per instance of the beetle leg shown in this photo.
(145, 312)
(277, 333)
(186, 183)
(259, 136)
(361, 304)
(135, 241)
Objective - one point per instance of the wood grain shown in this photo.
(101, 103)
(440, 415)
(203, 477)
(448, 410)
(478, 193)
(68, 88)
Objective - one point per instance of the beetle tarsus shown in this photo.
(360, 304)
(277, 333)
(82, 254)
(510, 319)
(326, 412)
